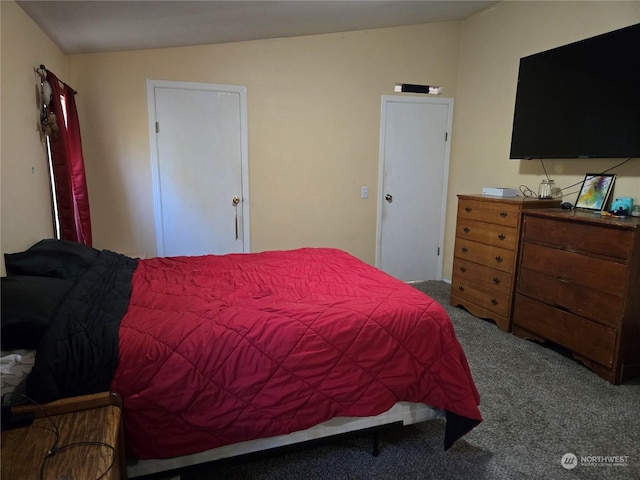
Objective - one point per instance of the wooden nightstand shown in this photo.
(90, 443)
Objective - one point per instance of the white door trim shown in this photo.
(386, 100)
(155, 171)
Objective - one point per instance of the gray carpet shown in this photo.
(537, 404)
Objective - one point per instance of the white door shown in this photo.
(199, 166)
(414, 165)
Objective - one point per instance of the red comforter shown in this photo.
(219, 349)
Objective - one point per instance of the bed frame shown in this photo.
(405, 413)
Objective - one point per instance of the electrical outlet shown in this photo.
(365, 192)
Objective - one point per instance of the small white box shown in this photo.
(499, 192)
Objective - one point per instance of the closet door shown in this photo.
(199, 169)
(414, 165)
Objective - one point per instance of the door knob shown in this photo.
(388, 197)
(235, 200)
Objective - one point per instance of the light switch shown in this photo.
(365, 192)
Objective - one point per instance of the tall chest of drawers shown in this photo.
(486, 252)
(579, 286)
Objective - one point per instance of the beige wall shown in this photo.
(491, 46)
(314, 112)
(24, 191)
(314, 122)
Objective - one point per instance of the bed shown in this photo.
(222, 354)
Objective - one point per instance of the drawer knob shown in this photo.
(502, 236)
(464, 249)
(467, 209)
(496, 280)
(494, 302)
(504, 214)
(466, 229)
(461, 288)
(463, 269)
(499, 259)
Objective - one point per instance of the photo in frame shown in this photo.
(595, 191)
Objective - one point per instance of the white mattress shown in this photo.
(404, 412)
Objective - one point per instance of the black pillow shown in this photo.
(52, 258)
(28, 304)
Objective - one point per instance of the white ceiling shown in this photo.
(107, 26)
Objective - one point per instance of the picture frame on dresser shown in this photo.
(595, 190)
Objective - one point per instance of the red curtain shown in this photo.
(68, 166)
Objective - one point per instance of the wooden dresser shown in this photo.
(579, 287)
(486, 251)
(84, 434)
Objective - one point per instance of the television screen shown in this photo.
(580, 100)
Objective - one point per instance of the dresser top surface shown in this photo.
(588, 216)
(529, 202)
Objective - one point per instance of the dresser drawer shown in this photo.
(571, 297)
(579, 335)
(491, 234)
(598, 240)
(492, 280)
(490, 212)
(494, 302)
(495, 257)
(570, 267)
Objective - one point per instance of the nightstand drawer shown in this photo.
(497, 235)
(494, 257)
(489, 212)
(89, 440)
(490, 279)
(579, 335)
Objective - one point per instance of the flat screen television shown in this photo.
(580, 100)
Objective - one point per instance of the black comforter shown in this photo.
(79, 351)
